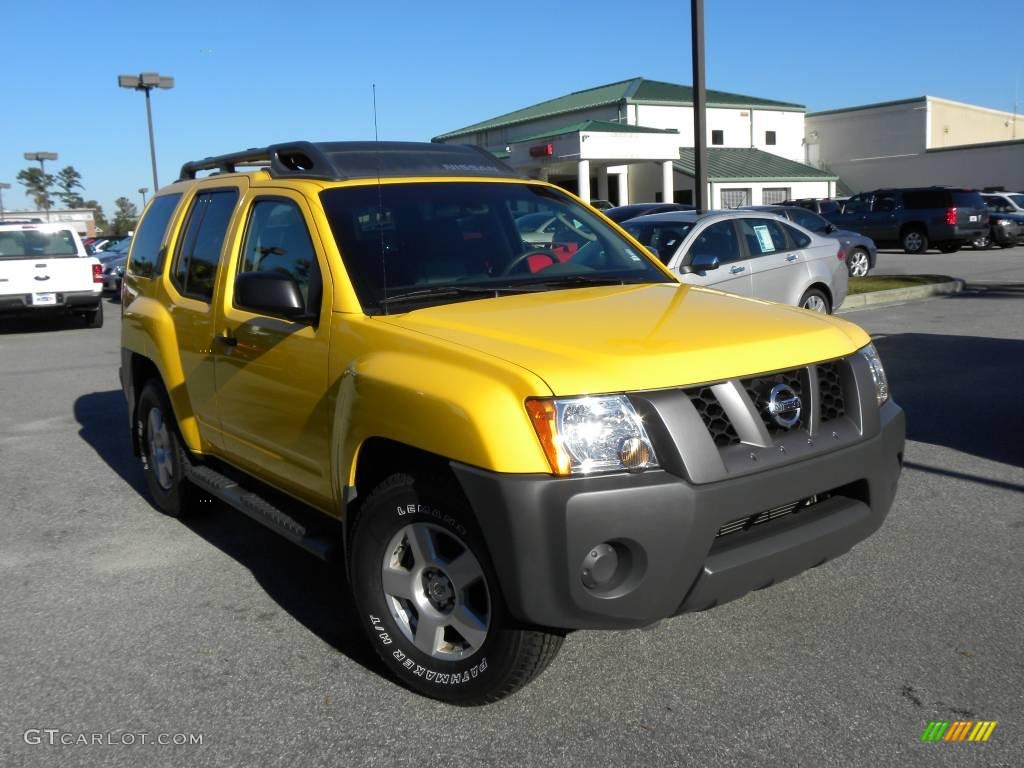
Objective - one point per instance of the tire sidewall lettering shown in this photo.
(410, 666)
(408, 510)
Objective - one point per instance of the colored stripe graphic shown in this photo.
(935, 731)
(983, 730)
(958, 730)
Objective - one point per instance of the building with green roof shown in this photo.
(626, 142)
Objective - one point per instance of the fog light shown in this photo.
(635, 453)
(599, 566)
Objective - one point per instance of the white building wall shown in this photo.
(887, 131)
(789, 133)
(1000, 165)
(645, 186)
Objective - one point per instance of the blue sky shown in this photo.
(249, 73)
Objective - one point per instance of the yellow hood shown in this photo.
(623, 338)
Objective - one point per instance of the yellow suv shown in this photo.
(501, 441)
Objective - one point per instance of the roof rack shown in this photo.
(343, 160)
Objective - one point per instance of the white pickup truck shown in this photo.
(44, 269)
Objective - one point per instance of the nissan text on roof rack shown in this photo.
(500, 442)
(44, 269)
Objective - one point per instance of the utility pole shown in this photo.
(146, 82)
(700, 143)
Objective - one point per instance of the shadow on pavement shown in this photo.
(962, 392)
(312, 592)
(992, 291)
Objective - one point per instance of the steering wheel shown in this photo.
(523, 257)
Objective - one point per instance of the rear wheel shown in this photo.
(858, 262)
(914, 241)
(94, 318)
(164, 458)
(428, 597)
(982, 242)
(816, 301)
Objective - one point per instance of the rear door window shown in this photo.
(763, 236)
(147, 255)
(921, 199)
(195, 270)
(858, 204)
(964, 199)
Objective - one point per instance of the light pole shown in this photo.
(143, 191)
(3, 185)
(146, 82)
(700, 139)
(42, 157)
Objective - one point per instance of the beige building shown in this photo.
(920, 141)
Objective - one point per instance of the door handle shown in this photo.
(791, 258)
(227, 341)
(737, 270)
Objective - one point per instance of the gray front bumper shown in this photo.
(539, 530)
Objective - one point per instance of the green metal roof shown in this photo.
(727, 164)
(636, 90)
(599, 126)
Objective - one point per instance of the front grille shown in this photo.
(769, 515)
(761, 386)
(714, 416)
(830, 387)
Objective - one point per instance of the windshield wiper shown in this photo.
(444, 291)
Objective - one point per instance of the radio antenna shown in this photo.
(380, 203)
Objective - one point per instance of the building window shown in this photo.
(769, 138)
(718, 137)
(735, 198)
(774, 195)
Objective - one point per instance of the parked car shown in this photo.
(601, 205)
(493, 456)
(916, 218)
(1006, 223)
(44, 269)
(1007, 202)
(749, 253)
(818, 205)
(861, 251)
(114, 261)
(622, 213)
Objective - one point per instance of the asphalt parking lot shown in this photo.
(119, 621)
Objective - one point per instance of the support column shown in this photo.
(602, 183)
(624, 187)
(583, 180)
(668, 184)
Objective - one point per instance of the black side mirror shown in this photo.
(270, 293)
(700, 263)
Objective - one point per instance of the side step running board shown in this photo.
(262, 511)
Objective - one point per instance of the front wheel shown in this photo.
(816, 301)
(914, 241)
(858, 262)
(428, 597)
(982, 242)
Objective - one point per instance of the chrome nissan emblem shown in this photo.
(784, 405)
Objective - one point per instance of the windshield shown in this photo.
(438, 242)
(33, 244)
(1018, 199)
(662, 238)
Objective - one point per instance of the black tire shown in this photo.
(949, 247)
(94, 319)
(982, 242)
(481, 667)
(171, 492)
(914, 240)
(815, 300)
(858, 262)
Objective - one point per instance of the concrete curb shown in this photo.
(899, 295)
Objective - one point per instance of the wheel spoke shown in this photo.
(421, 542)
(463, 571)
(398, 583)
(467, 624)
(429, 632)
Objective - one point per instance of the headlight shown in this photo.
(583, 435)
(870, 354)
(1004, 222)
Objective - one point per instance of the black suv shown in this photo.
(944, 217)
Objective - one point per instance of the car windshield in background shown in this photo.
(407, 245)
(33, 244)
(660, 237)
(1018, 199)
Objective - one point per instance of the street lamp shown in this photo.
(42, 157)
(143, 191)
(3, 185)
(147, 81)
